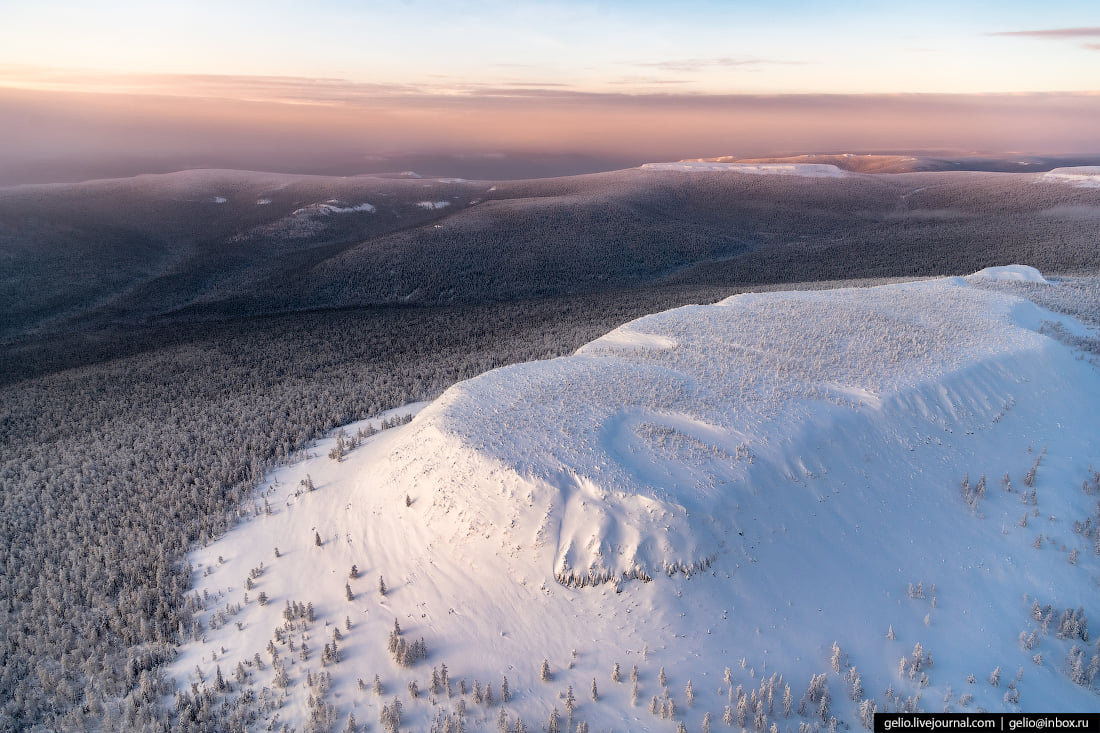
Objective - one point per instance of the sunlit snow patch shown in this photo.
(1014, 273)
(1082, 176)
(626, 339)
(807, 170)
(333, 206)
(431, 205)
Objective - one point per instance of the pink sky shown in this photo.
(90, 89)
(348, 126)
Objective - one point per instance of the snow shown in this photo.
(1013, 273)
(808, 170)
(430, 205)
(220, 199)
(333, 206)
(308, 220)
(1082, 176)
(783, 466)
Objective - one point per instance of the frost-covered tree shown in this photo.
(436, 687)
(544, 671)
(595, 692)
(867, 710)
(855, 684)
(616, 675)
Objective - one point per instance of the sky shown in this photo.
(345, 81)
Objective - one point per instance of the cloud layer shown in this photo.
(333, 126)
(1054, 33)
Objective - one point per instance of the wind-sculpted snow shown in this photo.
(642, 446)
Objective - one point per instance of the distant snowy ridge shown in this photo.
(1082, 176)
(807, 170)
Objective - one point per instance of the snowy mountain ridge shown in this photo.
(838, 483)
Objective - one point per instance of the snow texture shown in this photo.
(430, 205)
(735, 485)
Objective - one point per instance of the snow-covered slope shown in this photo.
(904, 471)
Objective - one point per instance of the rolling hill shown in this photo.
(789, 508)
(210, 245)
